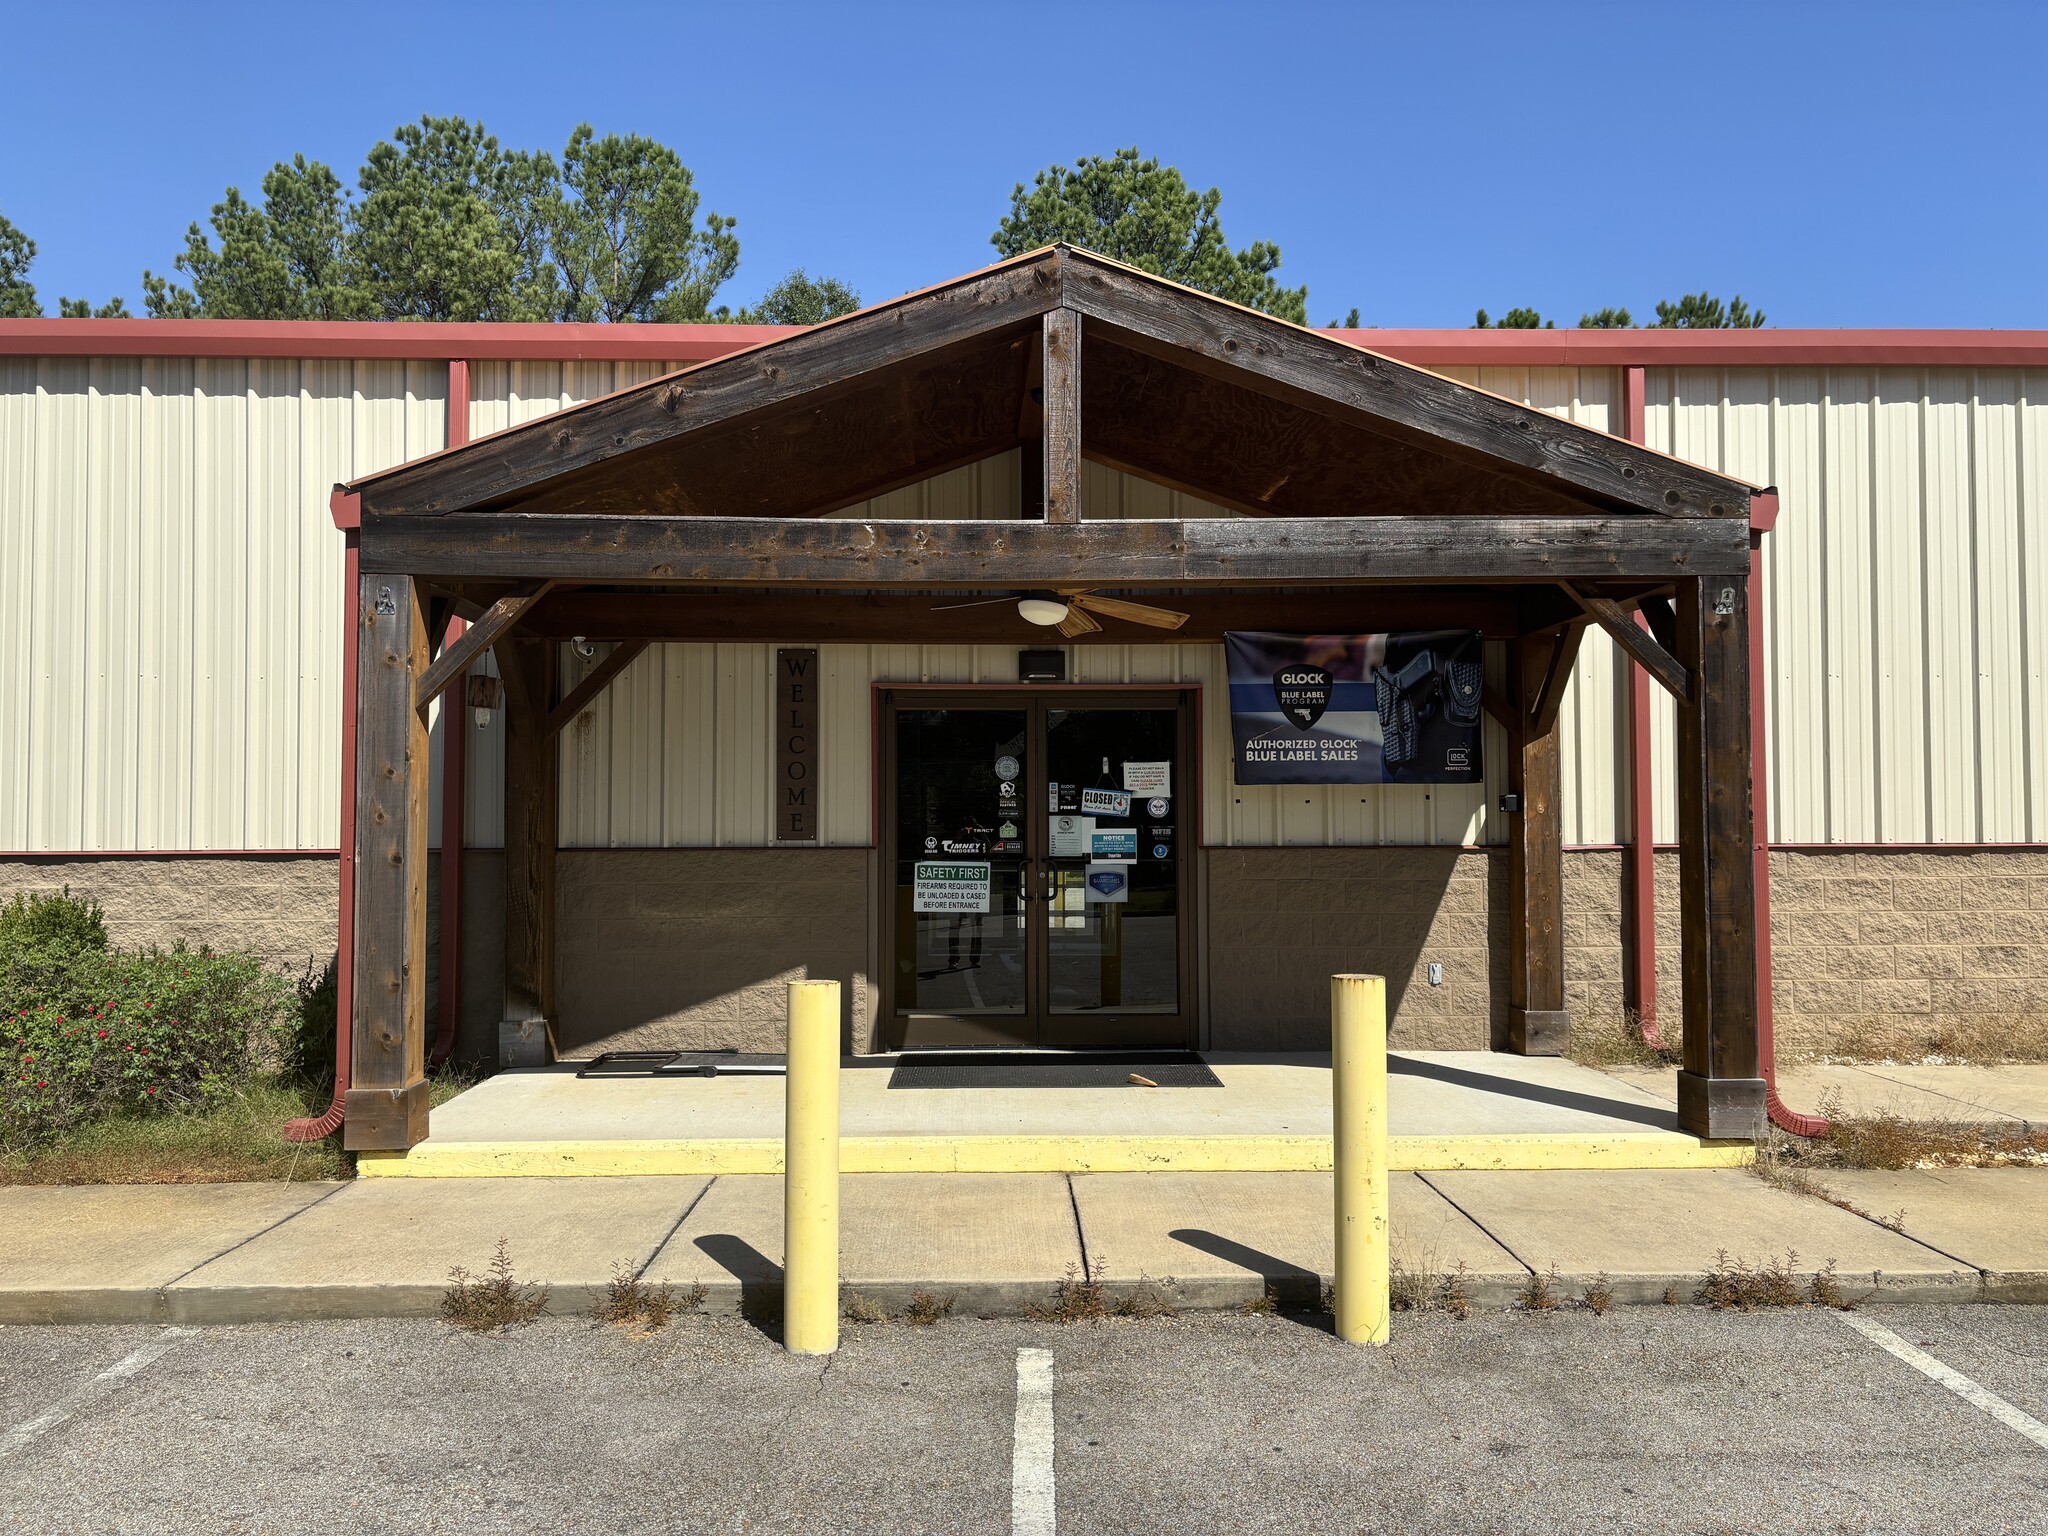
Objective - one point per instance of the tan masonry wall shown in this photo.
(1283, 920)
(1900, 954)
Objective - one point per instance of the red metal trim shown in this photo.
(427, 341)
(345, 935)
(1763, 511)
(381, 340)
(1784, 1118)
(346, 508)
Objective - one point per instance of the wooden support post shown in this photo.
(526, 1036)
(1062, 442)
(387, 1095)
(1538, 668)
(1720, 1092)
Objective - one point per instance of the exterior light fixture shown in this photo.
(1042, 610)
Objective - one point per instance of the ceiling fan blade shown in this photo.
(1077, 621)
(1135, 613)
(979, 602)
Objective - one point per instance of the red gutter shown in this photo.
(432, 341)
(1763, 517)
(347, 517)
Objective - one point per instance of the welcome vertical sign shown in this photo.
(796, 745)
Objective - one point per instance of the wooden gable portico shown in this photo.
(1365, 493)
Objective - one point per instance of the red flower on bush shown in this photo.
(103, 1034)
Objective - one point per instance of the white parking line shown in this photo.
(1954, 1380)
(1031, 1491)
(26, 1434)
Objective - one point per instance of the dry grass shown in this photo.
(1613, 1037)
(926, 1309)
(1736, 1285)
(238, 1140)
(1978, 1040)
(1884, 1139)
(1422, 1287)
(1599, 1296)
(856, 1308)
(493, 1302)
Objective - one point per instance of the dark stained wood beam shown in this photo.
(904, 618)
(1640, 647)
(1171, 552)
(1407, 403)
(1062, 415)
(386, 1098)
(814, 363)
(496, 622)
(1557, 677)
(1720, 1089)
(1538, 1024)
(585, 693)
(526, 1027)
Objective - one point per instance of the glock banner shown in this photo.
(1355, 709)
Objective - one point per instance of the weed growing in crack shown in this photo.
(1736, 1285)
(493, 1302)
(1148, 1298)
(1599, 1296)
(1539, 1292)
(926, 1309)
(859, 1309)
(1080, 1296)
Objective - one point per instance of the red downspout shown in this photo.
(1763, 517)
(454, 779)
(347, 513)
(1641, 857)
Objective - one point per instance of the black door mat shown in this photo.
(685, 1064)
(1051, 1069)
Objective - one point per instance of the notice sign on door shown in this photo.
(949, 887)
(1113, 843)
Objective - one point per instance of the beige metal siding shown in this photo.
(1903, 623)
(678, 752)
(170, 647)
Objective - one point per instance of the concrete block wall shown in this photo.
(689, 947)
(1283, 920)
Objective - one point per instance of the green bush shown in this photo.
(93, 1032)
(65, 921)
(305, 1041)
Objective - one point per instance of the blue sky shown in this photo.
(1838, 165)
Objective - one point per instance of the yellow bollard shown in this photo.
(810, 1163)
(1358, 1049)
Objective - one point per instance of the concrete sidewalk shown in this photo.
(994, 1243)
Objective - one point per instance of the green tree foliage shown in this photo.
(445, 223)
(799, 299)
(1703, 312)
(18, 295)
(1348, 323)
(1513, 320)
(1145, 215)
(1607, 320)
(17, 255)
(287, 258)
(624, 233)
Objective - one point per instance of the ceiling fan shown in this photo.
(1073, 612)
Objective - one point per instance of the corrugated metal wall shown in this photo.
(679, 751)
(170, 612)
(170, 593)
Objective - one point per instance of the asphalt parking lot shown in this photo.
(1647, 1419)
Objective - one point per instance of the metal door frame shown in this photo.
(1180, 1028)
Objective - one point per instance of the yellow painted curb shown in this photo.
(1050, 1154)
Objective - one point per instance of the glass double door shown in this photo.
(1038, 861)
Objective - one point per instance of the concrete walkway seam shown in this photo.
(164, 1290)
(1495, 1236)
(1989, 1116)
(660, 1247)
(1080, 1232)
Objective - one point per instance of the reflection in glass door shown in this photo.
(1038, 869)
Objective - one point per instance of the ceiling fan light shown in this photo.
(1042, 610)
